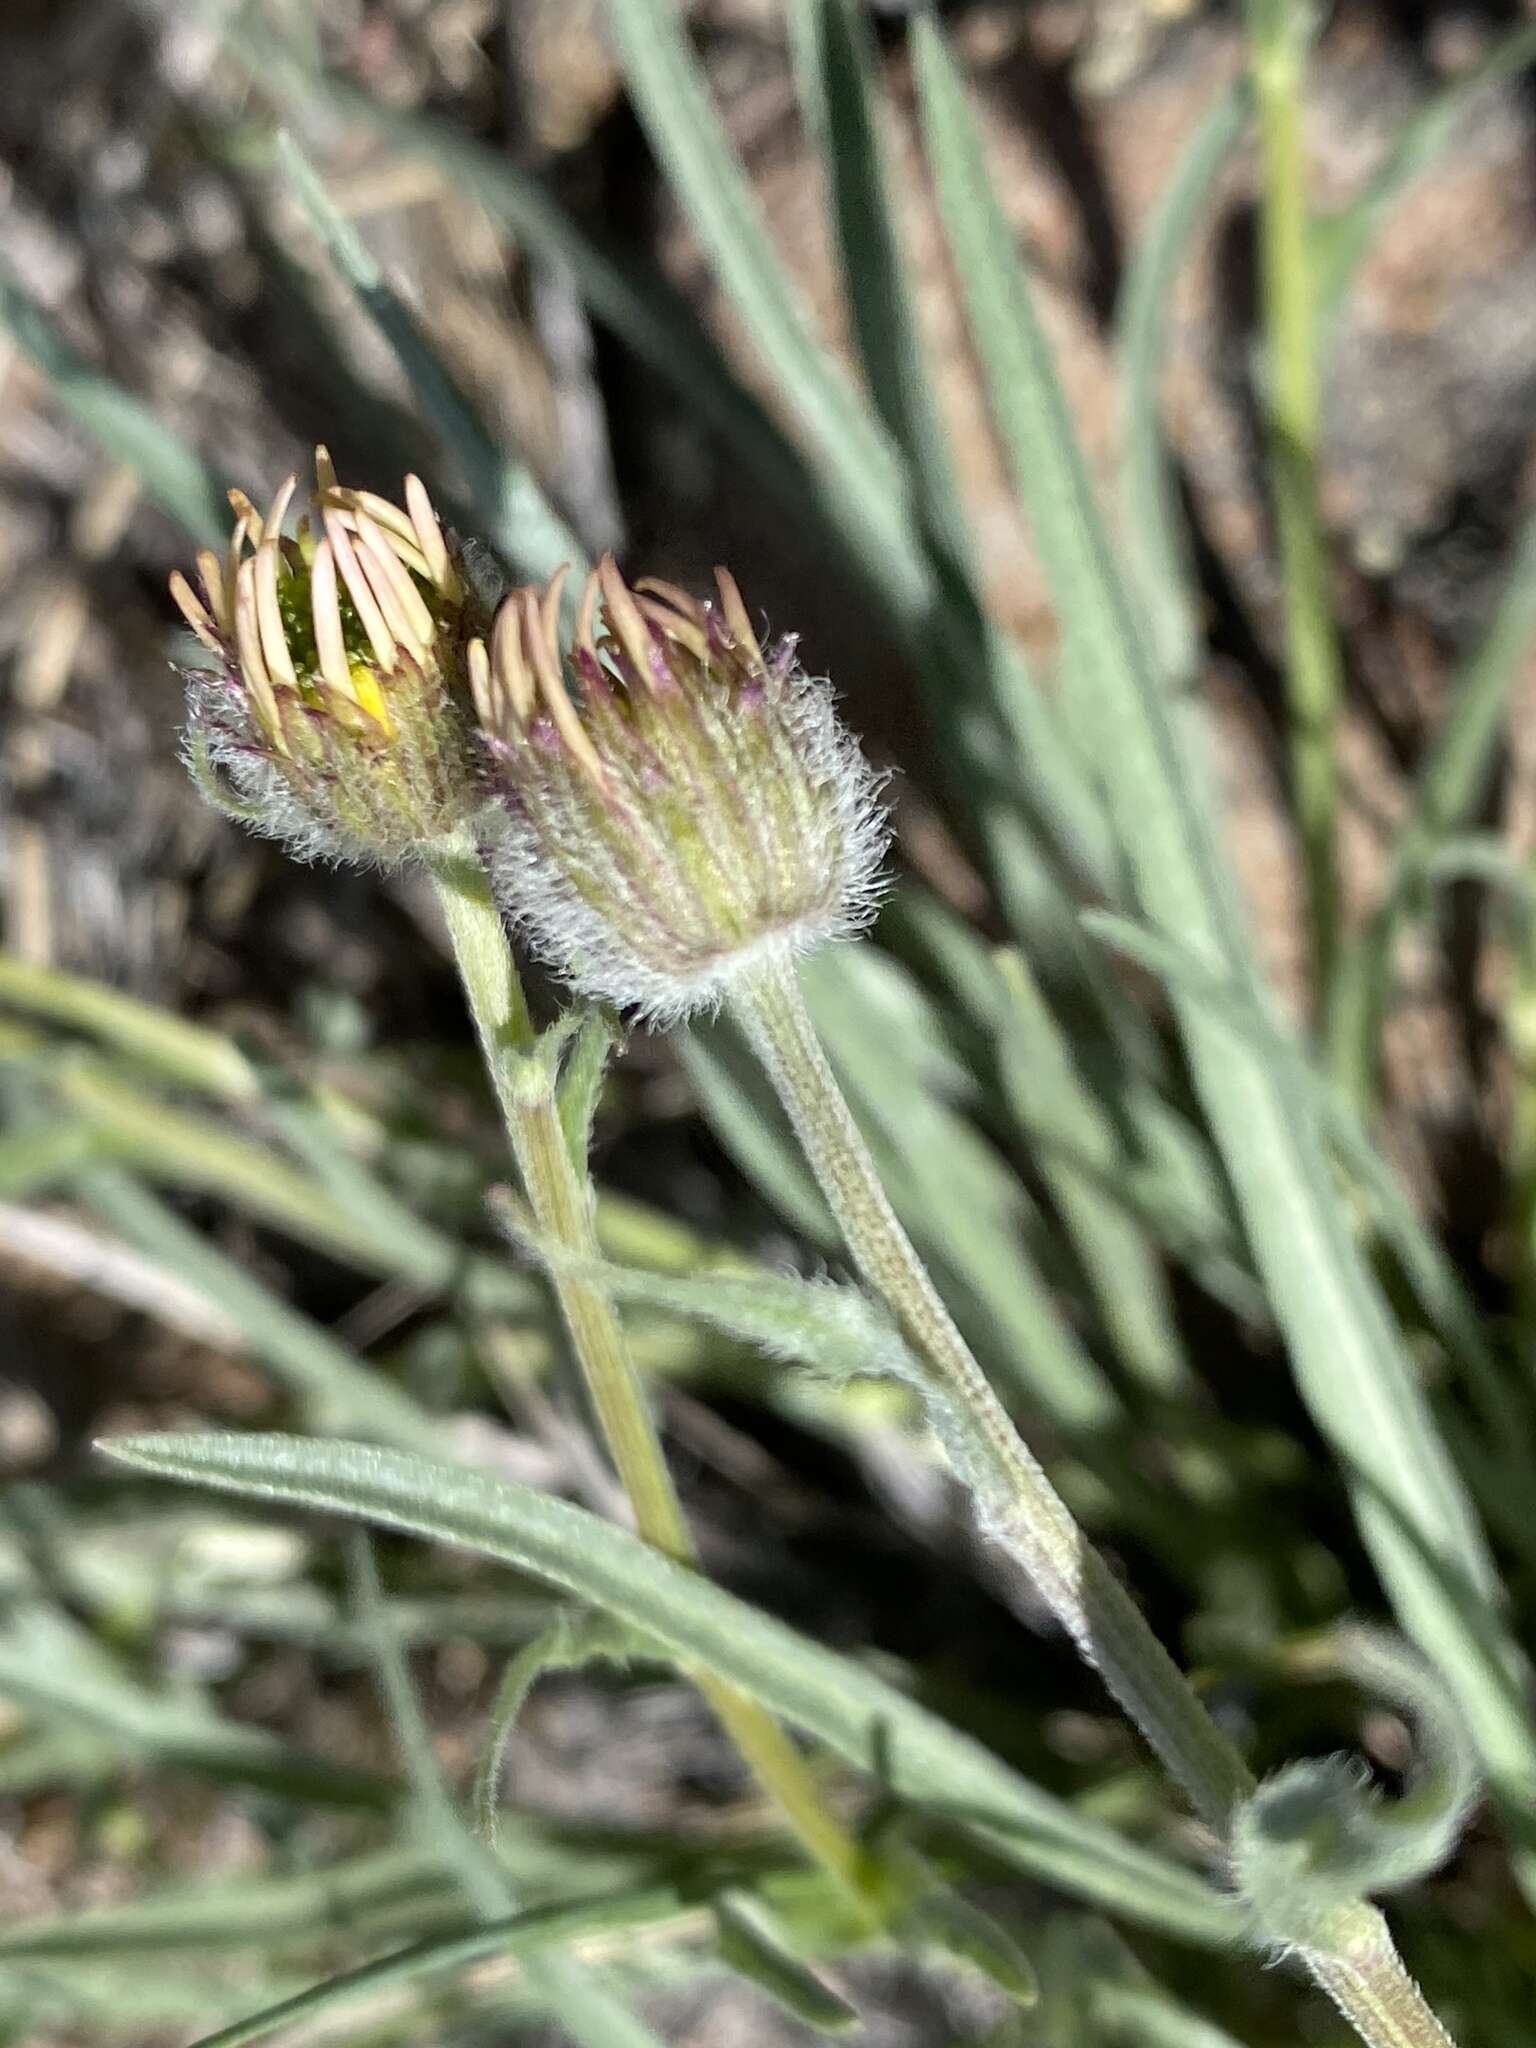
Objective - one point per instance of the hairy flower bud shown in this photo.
(679, 803)
(337, 714)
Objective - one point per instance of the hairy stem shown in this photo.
(1022, 1512)
(561, 1199)
(1278, 36)
(1365, 1978)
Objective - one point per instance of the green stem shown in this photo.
(1365, 1978)
(1023, 1510)
(1278, 32)
(561, 1199)
(1024, 1515)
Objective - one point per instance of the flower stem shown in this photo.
(1278, 36)
(1365, 1978)
(561, 1199)
(1022, 1509)
(1022, 1512)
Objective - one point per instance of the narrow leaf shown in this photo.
(1348, 1358)
(510, 509)
(54, 1667)
(525, 1937)
(1438, 1287)
(917, 1758)
(572, 1640)
(754, 1948)
(1151, 518)
(265, 1911)
(588, 2010)
(581, 1083)
(1122, 1269)
(833, 1329)
(690, 140)
(840, 96)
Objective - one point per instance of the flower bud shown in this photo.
(337, 713)
(679, 803)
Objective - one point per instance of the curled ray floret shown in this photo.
(679, 802)
(336, 712)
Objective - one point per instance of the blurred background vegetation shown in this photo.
(245, 1143)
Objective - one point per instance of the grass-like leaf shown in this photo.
(750, 1941)
(633, 300)
(915, 1757)
(872, 497)
(966, 1211)
(689, 137)
(346, 1211)
(1442, 1296)
(1349, 1361)
(235, 1913)
(525, 1938)
(591, 2014)
(510, 509)
(1123, 1271)
(840, 97)
(43, 1150)
(1152, 521)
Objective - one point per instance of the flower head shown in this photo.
(337, 712)
(679, 802)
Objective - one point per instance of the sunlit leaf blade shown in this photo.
(688, 136)
(753, 1946)
(914, 1756)
(1442, 1295)
(1013, 770)
(510, 510)
(1122, 1270)
(1076, 1107)
(967, 1213)
(1348, 1359)
(339, 1207)
(1158, 555)
(39, 1153)
(633, 300)
(264, 1911)
(840, 97)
